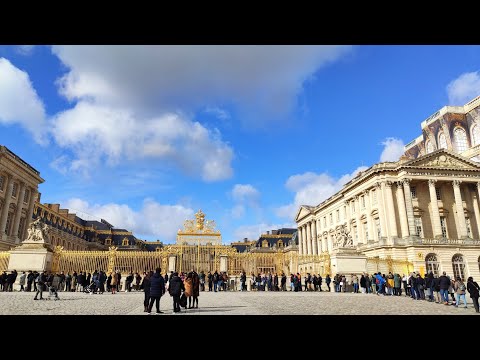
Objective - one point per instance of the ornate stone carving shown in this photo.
(388, 184)
(432, 182)
(406, 182)
(38, 232)
(343, 237)
(444, 161)
(456, 182)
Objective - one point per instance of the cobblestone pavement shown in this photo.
(229, 303)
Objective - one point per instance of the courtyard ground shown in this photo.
(228, 303)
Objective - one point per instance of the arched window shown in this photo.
(108, 241)
(458, 266)
(264, 243)
(442, 141)
(125, 242)
(280, 243)
(431, 263)
(476, 135)
(460, 137)
(429, 147)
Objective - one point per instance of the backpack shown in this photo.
(377, 281)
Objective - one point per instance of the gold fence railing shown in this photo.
(386, 265)
(4, 258)
(205, 258)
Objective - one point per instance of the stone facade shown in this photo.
(454, 128)
(18, 192)
(423, 211)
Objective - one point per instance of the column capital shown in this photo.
(365, 192)
(377, 185)
(399, 183)
(388, 183)
(432, 182)
(456, 182)
(406, 181)
(477, 184)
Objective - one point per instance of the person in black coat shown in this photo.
(175, 290)
(157, 289)
(146, 290)
(30, 278)
(473, 289)
(444, 284)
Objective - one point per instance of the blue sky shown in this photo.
(144, 136)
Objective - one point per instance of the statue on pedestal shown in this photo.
(38, 232)
(342, 237)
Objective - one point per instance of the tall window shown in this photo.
(431, 263)
(378, 228)
(324, 221)
(469, 227)
(374, 196)
(26, 196)
(413, 192)
(331, 219)
(460, 137)
(280, 243)
(442, 141)
(366, 231)
(338, 215)
(476, 135)
(355, 233)
(21, 226)
(2, 181)
(429, 147)
(14, 191)
(439, 195)
(418, 227)
(458, 266)
(9, 223)
(353, 207)
(125, 242)
(363, 202)
(443, 225)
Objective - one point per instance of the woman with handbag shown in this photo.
(175, 289)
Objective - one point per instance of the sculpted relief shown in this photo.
(343, 237)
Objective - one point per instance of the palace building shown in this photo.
(454, 128)
(20, 205)
(419, 213)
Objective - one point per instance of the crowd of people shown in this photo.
(185, 287)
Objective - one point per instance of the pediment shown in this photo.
(302, 212)
(442, 159)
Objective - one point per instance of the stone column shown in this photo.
(437, 229)
(18, 213)
(304, 239)
(357, 220)
(314, 237)
(28, 220)
(319, 238)
(409, 207)
(309, 238)
(476, 210)
(392, 223)
(299, 239)
(6, 206)
(402, 210)
(368, 203)
(381, 212)
(462, 224)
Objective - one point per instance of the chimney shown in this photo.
(268, 232)
(245, 239)
(274, 232)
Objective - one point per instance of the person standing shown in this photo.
(68, 282)
(473, 290)
(243, 280)
(355, 283)
(460, 289)
(283, 282)
(146, 290)
(188, 283)
(157, 289)
(175, 290)
(42, 278)
(113, 282)
(30, 278)
(22, 281)
(196, 288)
(202, 280)
(444, 284)
(210, 281)
(328, 281)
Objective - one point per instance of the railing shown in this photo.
(4, 258)
(445, 241)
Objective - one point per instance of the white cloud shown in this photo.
(244, 195)
(95, 132)
(464, 88)
(153, 220)
(19, 102)
(253, 232)
(260, 79)
(219, 113)
(394, 148)
(26, 50)
(311, 189)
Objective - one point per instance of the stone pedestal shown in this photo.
(172, 263)
(223, 263)
(35, 257)
(347, 261)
